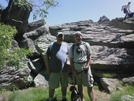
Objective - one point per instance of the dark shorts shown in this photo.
(57, 79)
(125, 10)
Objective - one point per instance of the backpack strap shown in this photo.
(50, 47)
(84, 43)
(73, 49)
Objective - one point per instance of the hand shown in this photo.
(74, 73)
(85, 69)
(86, 66)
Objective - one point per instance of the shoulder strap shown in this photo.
(73, 49)
(51, 45)
(84, 43)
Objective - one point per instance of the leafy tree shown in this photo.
(10, 56)
(39, 7)
(13, 56)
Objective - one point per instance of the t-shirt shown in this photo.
(126, 6)
(58, 56)
(80, 52)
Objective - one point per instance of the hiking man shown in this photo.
(80, 60)
(126, 9)
(56, 57)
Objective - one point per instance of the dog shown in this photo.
(75, 96)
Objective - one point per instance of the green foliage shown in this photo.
(39, 7)
(10, 56)
(109, 75)
(24, 4)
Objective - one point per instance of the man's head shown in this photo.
(129, 3)
(78, 37)
(60, 37)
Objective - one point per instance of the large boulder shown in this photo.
(109, 84)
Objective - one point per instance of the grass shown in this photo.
(109, 75)
(35, 94)
(41, 94)
(128, 90)
(31, 94)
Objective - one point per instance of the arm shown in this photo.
(129, 9)
(88, 61)
(89, 52)
(122, 7)
(72, 67)
(46, 59)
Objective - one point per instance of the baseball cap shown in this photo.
(60, 33)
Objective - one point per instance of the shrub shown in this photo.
(10, 56)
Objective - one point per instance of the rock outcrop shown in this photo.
(112, 47)
(17, 16)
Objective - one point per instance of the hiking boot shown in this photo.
(64, 99)
(54, 99)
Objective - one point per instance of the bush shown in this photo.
(10, 56)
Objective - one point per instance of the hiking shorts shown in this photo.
(125, 10)
(84, 78)
(58, 78)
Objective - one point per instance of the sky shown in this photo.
(68, 11)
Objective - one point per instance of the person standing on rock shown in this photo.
(80, 60)
(126, 9)
(55, 60)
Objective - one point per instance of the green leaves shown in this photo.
(10, 56)
(40, 9)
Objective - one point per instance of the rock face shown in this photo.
(112, 47)
(104, 20)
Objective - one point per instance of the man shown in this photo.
(80, 60)
(56, 57)
(126, 9)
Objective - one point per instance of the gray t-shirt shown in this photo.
(80, 52)
(58, 56)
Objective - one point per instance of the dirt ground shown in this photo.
(101, 96)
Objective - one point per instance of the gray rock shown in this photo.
(128, 80)
(109, 84)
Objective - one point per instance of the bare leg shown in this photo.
(90, 93)
(80, 89)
